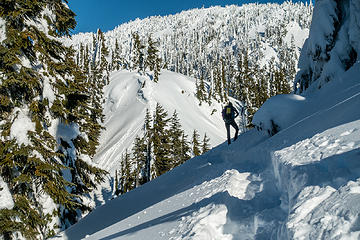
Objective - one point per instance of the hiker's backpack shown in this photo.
(228, 114)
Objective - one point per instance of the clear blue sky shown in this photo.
(107, 14)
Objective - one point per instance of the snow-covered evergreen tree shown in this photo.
(45, 125)
(195, 141)
(116, 59)
(139, 159)
(205, 144)
(160, 141)
(127, 177)
(137, 52)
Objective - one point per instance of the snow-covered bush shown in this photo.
(278, 113)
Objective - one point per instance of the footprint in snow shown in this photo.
(325, 143)
(350, 145)
(332, 145)
(348, 132)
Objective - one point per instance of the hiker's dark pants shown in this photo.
(234, 125)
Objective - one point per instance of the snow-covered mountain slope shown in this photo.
(128, 96)
(302, 183)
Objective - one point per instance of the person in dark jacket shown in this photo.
(229, 113)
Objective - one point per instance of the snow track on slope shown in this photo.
(320, 181)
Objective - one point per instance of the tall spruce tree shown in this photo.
(148, 143)
(175, 135)
(250, 87)
(137, 53)
(157, 69)
(185, 148)
(196, 143)
(98, 77)
(160, 141)
(116, 57)
(116, 183)
(224, 82)
(104, 54)
(40, 84)
(205, 144)
(127, 178)
(218, 89)
(139, 159)
(86, 61)
(152, 54)
(153, 61)
(201, 92)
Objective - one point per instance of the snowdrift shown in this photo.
(278, 113)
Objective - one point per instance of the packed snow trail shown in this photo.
(209, 185)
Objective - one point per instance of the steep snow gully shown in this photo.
(302, 183)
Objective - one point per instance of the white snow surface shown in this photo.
(302, 183)
(128, 96)
(2, 30)
(295, 33)
(21, 125)
(281, 109)
(6, 200)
